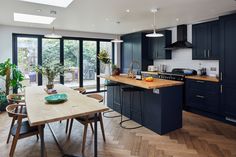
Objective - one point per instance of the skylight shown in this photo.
(33, 18)
(57, 3)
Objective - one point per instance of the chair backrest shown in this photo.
(96, 96)
(82, 90)
(14, 111)
(15, 98)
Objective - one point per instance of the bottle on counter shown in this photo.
(139, 75)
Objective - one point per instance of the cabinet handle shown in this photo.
(200, 96)
(221, 88)
(221, 76)
(208, 53)
(205, 54)
(200, 81)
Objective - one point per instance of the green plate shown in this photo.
(56, 98)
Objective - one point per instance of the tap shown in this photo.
(130, 71)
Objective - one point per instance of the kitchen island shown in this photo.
(162, 101)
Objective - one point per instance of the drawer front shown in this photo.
(203, 95)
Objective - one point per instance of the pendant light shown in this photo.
(117, 40)
(53, 35)
(154, 34)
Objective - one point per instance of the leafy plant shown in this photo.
(13, 76)
(103, 56)
(51, 71)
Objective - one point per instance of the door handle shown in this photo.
(205, 54)
(200, 96)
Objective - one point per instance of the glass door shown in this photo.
(71, 62)
(90, 65)
(50, 55)
(27, 56)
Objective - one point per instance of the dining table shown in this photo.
(41, 113)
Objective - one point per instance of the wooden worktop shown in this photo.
(203, 78)
(157, 83)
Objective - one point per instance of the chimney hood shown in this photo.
(181, 42)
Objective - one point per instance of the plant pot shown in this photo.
(108, 70)
(3, 102)
(116, 72)
(50, 86)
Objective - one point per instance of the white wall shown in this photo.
(182, 58)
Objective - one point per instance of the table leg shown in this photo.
(95, 135)
(41, 133)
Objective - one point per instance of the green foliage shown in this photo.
(13, 76)
(103, 56)
(51, 71)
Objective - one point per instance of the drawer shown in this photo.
(196, 99)
(203, 86)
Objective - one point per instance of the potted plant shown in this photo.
(51, 71)
(103, 56)
(12, 77)
(115, 70)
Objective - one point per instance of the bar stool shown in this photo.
(111, 84)
(131, 90)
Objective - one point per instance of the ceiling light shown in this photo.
(154, 34)
(177, 19)
(127, 10)
(33, 18)
(38, 10)
(117, 40)
(57, 3)
(53, 35)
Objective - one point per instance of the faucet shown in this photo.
(130, 71)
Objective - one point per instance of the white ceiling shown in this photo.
(101, 15)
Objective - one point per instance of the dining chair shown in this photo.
(16, 99)
(22, 129)
(89, 119)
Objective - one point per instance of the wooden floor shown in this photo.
(200, 137)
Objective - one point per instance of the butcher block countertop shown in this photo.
(157, 83)
(203, 78)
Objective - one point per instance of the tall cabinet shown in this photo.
(134, 49)
(228, 65)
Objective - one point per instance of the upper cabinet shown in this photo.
(134, 49)
(156, 46)
(206, 41)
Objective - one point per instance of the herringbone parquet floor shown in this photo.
(199, 137)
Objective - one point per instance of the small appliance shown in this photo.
(152, 68)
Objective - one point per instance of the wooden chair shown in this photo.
(16, 99)
(22, 129)
(89, 119)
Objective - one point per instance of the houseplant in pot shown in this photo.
(115, 70)
(103, 56)
(11, 77)
(50, 71)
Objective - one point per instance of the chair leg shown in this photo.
(13, 146)
(67, 124)
(37, 137)
(91, 125)
(71, 124)
(9, 134)
(84, 137)
(102, 127)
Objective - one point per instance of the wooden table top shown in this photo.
(203, 78)
(157, 83)
(41, 113)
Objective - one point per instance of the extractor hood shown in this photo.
(181, 39)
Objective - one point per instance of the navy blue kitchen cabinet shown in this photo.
(228, 65)
(134, 48)
(203, 95)
(156, 46)
(205, 40)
